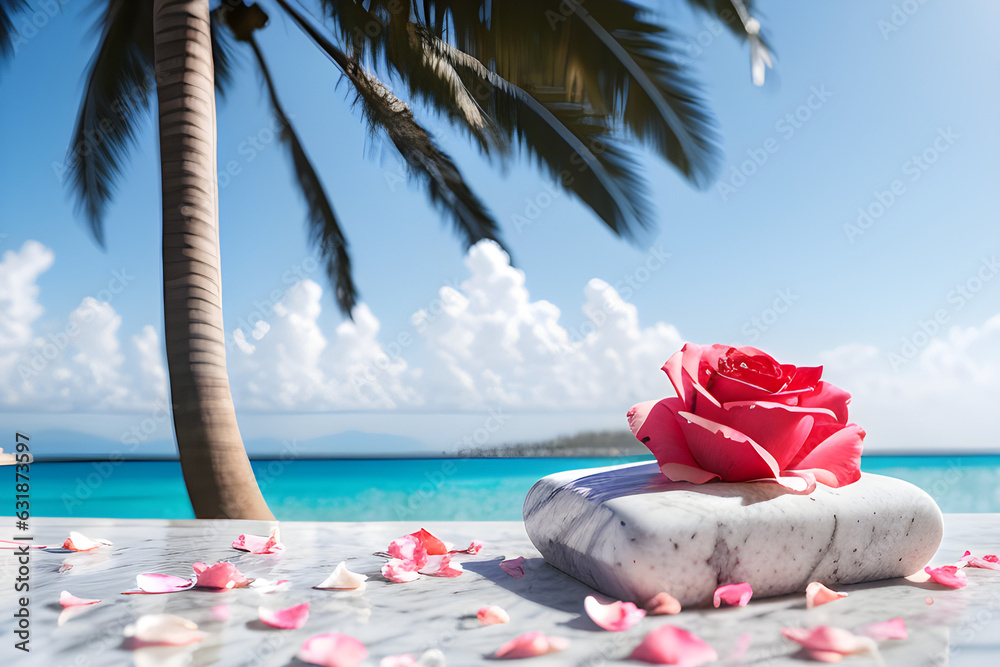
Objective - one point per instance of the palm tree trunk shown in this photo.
(219, 479)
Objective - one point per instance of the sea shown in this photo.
(426, 489)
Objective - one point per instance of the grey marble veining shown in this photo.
(631, 533)
(959, 627)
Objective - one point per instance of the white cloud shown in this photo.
(76, 364)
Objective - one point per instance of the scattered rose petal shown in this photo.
(268, 585)
(333, 649)
(80, 542)
(219, 576)
(342, 579)
(828, 644)
(291, 618)
(430, 543)
(988, 562)
(670, 645)
(513, 566)
(163, 630)
(663, 603)
(400, 571)
(736, 595)
(408, 549)
(441, 566)
(221, 612)
(405, 660)
(159, 583)
(614, 616)
(929, 600)
(817, 594)
(892, 629)
(530, 645)
(947, 575)
(68, 600)
(492, 615)
(473, 548)
(256, 544)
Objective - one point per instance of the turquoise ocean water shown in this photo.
(412, 489)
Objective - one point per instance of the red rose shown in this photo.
(739, 415)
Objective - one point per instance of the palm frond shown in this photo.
(9, 9)
(116, 98)
(323, 225)
(222, 52)
(424, 159)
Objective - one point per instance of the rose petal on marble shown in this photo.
(829, 644)
(670, 645)
(256, 544)
(342, 579)
(473, 548)
(663, 603)
(492, 615)
(153, 584)
(400, 571)
(947, 575)
(433, 545)
(894, 628)
(513, 566)
(614, 616)
(80, 542)
(220, 612)
(441, 566)
(220, 576)
(988, 562)
(66, 599)
(269, 585)
(405, 660)
(817, 594)
(332, 649)
(290, 618)
(409, 548)
(531, 645)
(163, 630)
(736, 595)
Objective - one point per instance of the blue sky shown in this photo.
(776, 240)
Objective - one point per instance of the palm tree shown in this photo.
(569, 85)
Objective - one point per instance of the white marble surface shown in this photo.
(631, 533)
(960, 628)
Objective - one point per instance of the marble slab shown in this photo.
(630, 533)
(958, 628)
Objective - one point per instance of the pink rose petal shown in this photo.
(219, 576)
(736, 595)
(441, 566)
(670, 645)
(431, 544)
(256, 544)
(291, 618)
(947, 575)
(159, 583)
(268, 586)
(988, 562)
(894, 628)
(514, 567)
(400, 571)
(828, 644)
(492, 615)
(615, 616)
(530, 645)
(333, 649)
(68, 600)
(163, 630)
(817, 594)
(405, 660)
(662, 604)
(80, 542)
(409, 549)
(221, 612)
(473, 548)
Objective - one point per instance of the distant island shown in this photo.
(587, 443)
